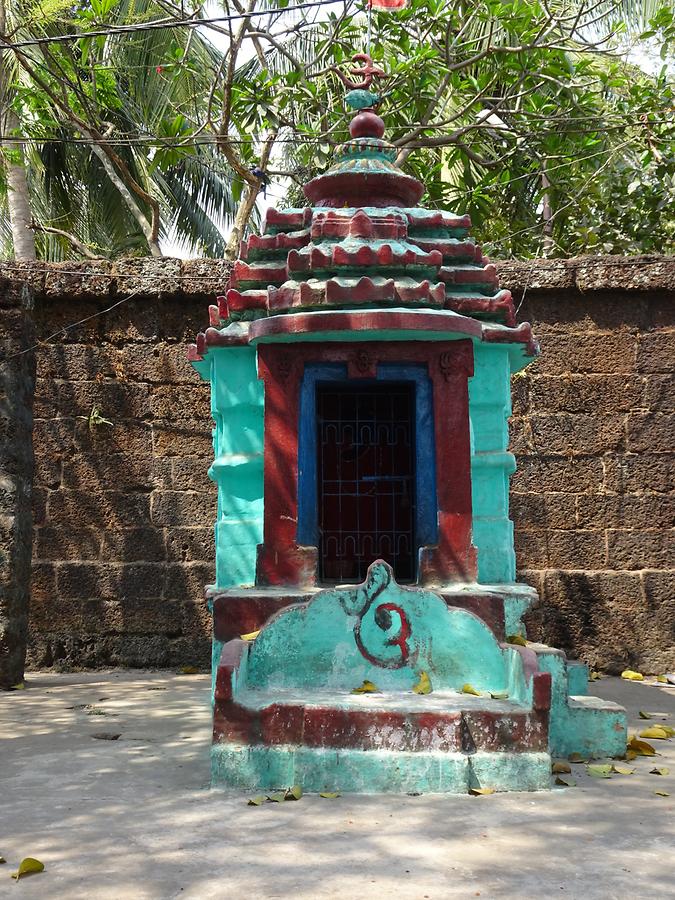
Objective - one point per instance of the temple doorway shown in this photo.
(366, 479)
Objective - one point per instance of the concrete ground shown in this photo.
(134, 818)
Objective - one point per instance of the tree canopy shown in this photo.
(140, 121)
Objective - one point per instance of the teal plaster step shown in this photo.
(579, 724)
(375, 771)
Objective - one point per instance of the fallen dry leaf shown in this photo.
(469, 689)
(662, 793)
(662, 679)
(641, 748)
(601, 771)
(565, 781)
(622, 770)
(595, 676)
(366, 688)
(251, 636)
(330, 795)
(499, 695)
(479, 792)
(423, 686)
(277, 797)
(660, 770)
(561, 768)
(257, 801)
(657, 732)
(630, 675)
(28, 866)
(577, 758)
(106, 735)
(293, 793)
(2, 860)
(189, 670)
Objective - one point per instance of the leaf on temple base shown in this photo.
(499, 695)
(480, 792)
(277, 797)
(577, 758)
(257, 801)
(622, 770)
(561, 768)
(469, 689)
(662, 793)
(294, 792)
(423, 686)
(366, 688)
(660, 770)
(330, 795)
(189, 670)
(28, 866)
(516, 639)
(251, 636)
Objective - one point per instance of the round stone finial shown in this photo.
(366, 123)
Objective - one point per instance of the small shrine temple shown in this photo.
(367, 625)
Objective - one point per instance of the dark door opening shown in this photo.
(366, 479)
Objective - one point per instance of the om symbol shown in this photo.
(382, 630)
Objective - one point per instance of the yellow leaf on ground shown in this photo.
(251, 636)
(661, 679)
(330, 795)
(479, 792)
(642, 748)
(644, 715)
(366, 688)
(565, 781)
(630, 755)
(668, 730)
(499, 695)
(189, 670)
(561, 768)
(423, 686)
(469, 689)
(622, 770)
(28, 866)
(629, 675)
(257, 801)
(662, 793)
(294, 793)
(2, 860)
(516, 639)
(660, 770)
(595, 676)
(601, 771)
(277, 797)
(18, 687)
(655, 731)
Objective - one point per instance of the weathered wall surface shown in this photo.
(17, 378)
(124, 512)
(593, 500)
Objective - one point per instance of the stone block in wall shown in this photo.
(563, 433)
(125, 545)
(114, 400)
(109, 471)
(147, 277)
(168, 440)
(107, 509)
(603, 353)
(204, 277)
(187, 580)
(53, 544)
(191, 544)
(656, 352)
(161, 364)
(597, 511)
(89, 278)
(658, 392)
(586, 394)
(79, 362)
(130, 437)
(182, 404)
(628, 549)
(190, 473)
(571, 475)
(179, 508)
(556, 549)
(650, 432)
(634, 473)
(543, 510)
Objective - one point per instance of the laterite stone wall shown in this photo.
(123, 539)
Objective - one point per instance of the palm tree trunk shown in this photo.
(18, 198)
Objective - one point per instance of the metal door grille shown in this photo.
(366, 479)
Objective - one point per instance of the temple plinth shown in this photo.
(360, 365)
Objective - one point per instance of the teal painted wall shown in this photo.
(491, 463)
(237, 407)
